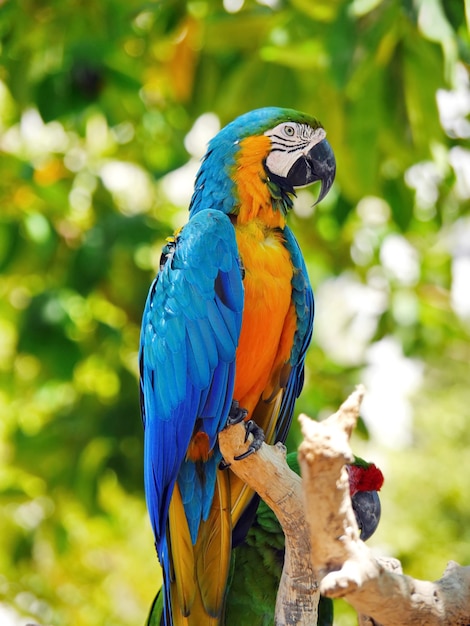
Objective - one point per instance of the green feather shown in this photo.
(360, 462)
(156, 611)
(256, 573)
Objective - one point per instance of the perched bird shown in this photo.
(256, 564)
(224, 333)
(365, 481)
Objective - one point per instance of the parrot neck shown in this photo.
(244, 188)
(253, 187)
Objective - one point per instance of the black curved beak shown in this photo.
(367, 509)
(318, 164)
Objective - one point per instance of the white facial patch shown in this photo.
(289, 141)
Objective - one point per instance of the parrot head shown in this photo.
(365, 480)
(263, 156)
(300, 155)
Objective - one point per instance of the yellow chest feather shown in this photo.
(268, 295)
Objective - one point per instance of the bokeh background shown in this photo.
(105, 111)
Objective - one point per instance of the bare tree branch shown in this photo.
(268, 473)
(322, 538)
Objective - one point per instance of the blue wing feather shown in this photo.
(190, 330)
(302, 296)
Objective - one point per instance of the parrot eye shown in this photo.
(289, 131)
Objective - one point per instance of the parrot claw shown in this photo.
(258, 438)
(236, 414)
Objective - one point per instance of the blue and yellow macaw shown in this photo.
(224, 333)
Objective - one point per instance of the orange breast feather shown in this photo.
(269, 320)
(268, 324)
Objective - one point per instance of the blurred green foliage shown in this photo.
(96, 101)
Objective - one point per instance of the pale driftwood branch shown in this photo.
(327, 548)
(344, 564)
(268, 473)
(388, 563)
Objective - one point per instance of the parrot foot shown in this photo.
(236, 414)
(258, 438)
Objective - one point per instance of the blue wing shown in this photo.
(302, 296)
(190, 330)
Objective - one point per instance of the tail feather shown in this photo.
(213, 549)
(182, 573)
(197, 574)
